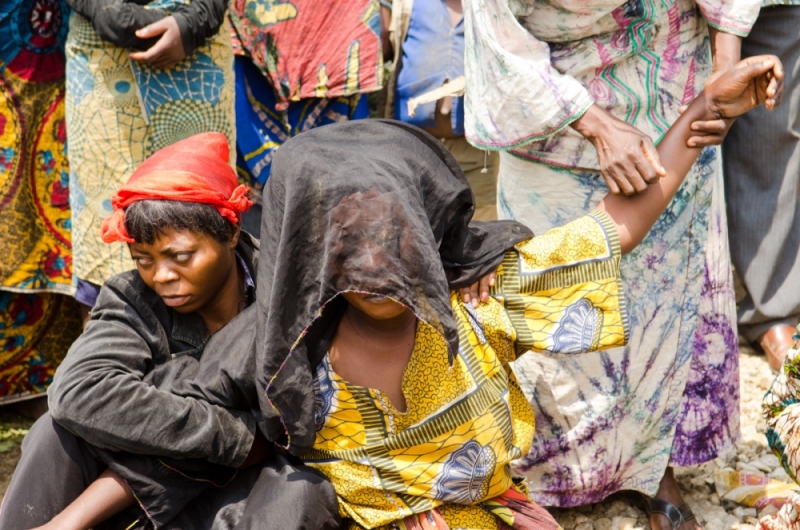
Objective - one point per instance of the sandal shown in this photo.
(677, 515)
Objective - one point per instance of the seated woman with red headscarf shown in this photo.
(111, 399)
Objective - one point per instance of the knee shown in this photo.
(44, 432)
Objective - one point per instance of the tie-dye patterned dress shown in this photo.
(614, 420)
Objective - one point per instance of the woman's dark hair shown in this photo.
(145, 220)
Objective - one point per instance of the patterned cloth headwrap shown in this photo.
(196, 169)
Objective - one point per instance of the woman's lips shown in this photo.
(175, 301)
(375, 298)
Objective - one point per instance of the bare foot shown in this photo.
(668, 490)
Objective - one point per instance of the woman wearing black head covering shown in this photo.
(365, 235)
(366, 232)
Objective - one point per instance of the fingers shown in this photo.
(652, 156)
(621, 174)
(485, 284)
(705, 141)
(470, 294)
(775, 87)
(710, 132)
(611, 183)
(709, 127)
(153, 54)
(754, 68)
(766, 69)
(632, 174)
(160, 55)
(479, 291)
(153, 30)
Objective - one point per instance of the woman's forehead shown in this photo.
(168, 240)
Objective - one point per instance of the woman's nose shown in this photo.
(164, 274)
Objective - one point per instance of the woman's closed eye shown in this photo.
(182, 257)
(142, 261)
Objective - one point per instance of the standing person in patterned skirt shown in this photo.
(124, 105)
(574, 94)
(38, 318)
(299, 65)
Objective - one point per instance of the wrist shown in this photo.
(591, 123)
(703, 108)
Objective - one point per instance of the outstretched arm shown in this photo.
(753, 81)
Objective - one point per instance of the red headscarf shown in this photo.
(193, 170)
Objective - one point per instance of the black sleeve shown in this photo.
(198, 21)
(116, 21)
(100, 392)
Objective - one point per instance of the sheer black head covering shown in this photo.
(373, 206)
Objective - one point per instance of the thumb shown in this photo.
(756, 68)
(153, 30)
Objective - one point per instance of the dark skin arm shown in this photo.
(386, 43)
(628, 160)
(105, 497)
(752, 82)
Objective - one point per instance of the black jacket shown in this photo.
(114, 388)
(117, 20)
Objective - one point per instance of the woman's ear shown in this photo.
(237, 230)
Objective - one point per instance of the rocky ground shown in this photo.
(697, 482)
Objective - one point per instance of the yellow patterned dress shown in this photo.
(119, 112)
(38, 318)
(465, 423)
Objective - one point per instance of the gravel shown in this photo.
(696, 482)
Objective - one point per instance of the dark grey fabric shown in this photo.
(113, 388)
(374, 206)
(117, 20)
(56, 466)
(761, 157)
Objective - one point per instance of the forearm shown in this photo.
(634, 216)
(726, 49)
(105, 497)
